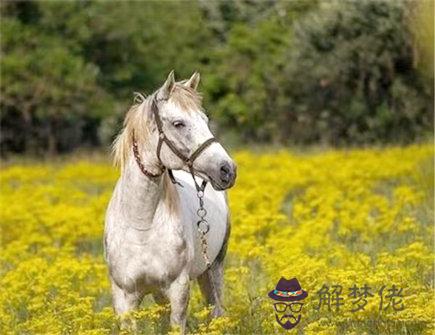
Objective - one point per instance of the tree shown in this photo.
(45, 85)
(351, 76)
(335, 72)
(243, 80)
(67, 67)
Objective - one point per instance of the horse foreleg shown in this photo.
(210, 283)
(178, 295)
(124, 302)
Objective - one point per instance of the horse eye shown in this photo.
(178, 124)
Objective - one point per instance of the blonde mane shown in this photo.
(137, 117)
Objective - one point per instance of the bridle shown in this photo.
(202, 224)
(188, 160)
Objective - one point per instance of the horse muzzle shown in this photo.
(225, 175)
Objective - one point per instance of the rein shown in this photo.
(202, 224)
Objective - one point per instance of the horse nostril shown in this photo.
(225, 172)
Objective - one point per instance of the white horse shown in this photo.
(152, 244)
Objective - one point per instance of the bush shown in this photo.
(351, 77)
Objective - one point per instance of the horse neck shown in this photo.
(140, 195)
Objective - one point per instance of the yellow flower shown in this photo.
(336, 217)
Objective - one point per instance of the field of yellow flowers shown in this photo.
(332, 219)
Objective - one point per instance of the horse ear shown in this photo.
(193, 82)
(166, 90)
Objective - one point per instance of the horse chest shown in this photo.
(152, 259)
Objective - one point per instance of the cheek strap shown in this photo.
(187, 160)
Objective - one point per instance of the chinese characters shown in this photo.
(332, 297)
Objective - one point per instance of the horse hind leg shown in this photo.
(210, 283)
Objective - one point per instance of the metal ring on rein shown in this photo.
(205, 223)
(202, 212)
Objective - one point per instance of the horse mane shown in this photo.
(137, 117)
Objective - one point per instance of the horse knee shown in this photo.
(124, 301)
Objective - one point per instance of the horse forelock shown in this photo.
(186, 98)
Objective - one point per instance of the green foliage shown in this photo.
(246, 74)
(245, 86)
(352, 74)
(344, 73)
(48, 90)
(273, 71)
(67, 64)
